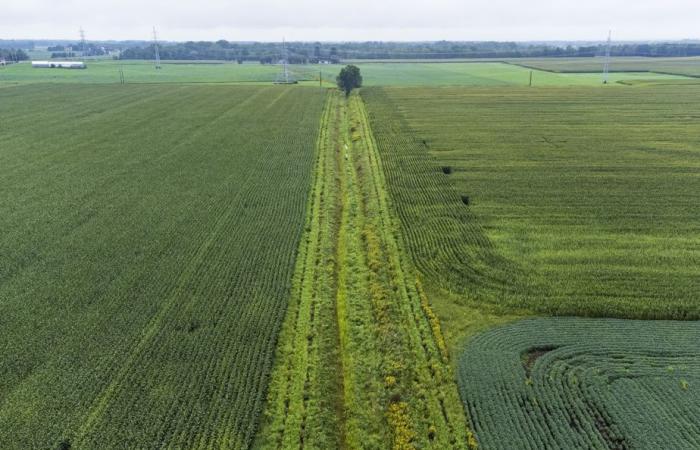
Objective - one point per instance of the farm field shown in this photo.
(374, 74)
(144, 72)
(201, 259)
(488, 74)
(581, 201)
(689, 66)
(584, 383)
(146, 259)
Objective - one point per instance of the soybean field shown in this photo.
(571, 201)
(148, 242)
(584, 383)
(494, 73)
(559, 202)
(688, 66)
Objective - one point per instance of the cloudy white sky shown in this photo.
(327, 20)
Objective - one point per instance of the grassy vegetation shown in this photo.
(146, 259)
(680, 66)
(487, 74)
(583, 383)
(171, 72)
(362, 362)
(581, 201)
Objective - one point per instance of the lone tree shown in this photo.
(349, 79)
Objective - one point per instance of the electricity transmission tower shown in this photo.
(155, 47)
(606, 66)
(284, 77)
(82, 41)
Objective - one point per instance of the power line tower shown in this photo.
(606, 66)
(155, 47)
(285, 77)
(83, 47)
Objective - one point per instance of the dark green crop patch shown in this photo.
(584, 383)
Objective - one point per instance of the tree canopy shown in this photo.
(349, 78)
(13, 55)
(313, 52)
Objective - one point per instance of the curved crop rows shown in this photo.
(146, 263)
(445, 239)
(579, 201)
(584, 383)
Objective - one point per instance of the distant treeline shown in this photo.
(23, 44)
(297, 52)
(656, 50)
(70, 51)
(310, 52)
(13, 55)
(305, 52)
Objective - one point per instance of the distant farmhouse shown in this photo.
(58, 65)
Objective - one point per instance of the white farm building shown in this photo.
(58, 65)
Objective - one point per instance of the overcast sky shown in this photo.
(334, 20)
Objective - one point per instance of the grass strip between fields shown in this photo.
(360, 340)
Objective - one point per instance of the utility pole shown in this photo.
(531, 78)
(606, 66)
(155, 46)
